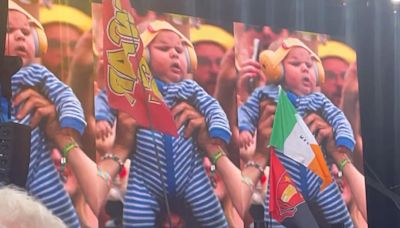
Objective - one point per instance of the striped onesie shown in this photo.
(43, 180)
(328, 204)
(181, 163)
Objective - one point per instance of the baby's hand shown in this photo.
(245, 139)
(103, 129)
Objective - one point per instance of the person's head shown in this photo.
(266, 34)
(24, 35)
(18, 209)
(336, 58)
(210, 43)
(169, 53)
(63, 26)
(294, 66)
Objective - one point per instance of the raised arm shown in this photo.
(355, 179)
(94, 184)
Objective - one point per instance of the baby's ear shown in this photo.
(272, 69)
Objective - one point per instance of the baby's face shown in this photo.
(299, 72)
(167, 57)
(19, 38)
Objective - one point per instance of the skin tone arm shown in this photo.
(354, 178)
(80, 79)
(93, 186)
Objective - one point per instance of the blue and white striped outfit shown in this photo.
(327, 206)
(249, 112)
(181, 163)
(102, 110)
(43, 180)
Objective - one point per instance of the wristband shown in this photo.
(343, 163)
(65, 151)
(255, 165)
(70, 146)
(114, 158)
(217, 156)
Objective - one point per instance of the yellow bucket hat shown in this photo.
(337, 49)
(65, 14)
(211, 33)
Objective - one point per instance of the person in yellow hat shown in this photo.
(336, 58)
(63, 26)
(210, 43)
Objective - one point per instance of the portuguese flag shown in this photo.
(286, 204)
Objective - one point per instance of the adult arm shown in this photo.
(94, 187)
(354, 178)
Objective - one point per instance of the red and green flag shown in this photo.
(286, 204)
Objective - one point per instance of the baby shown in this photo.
(168, 53)
(298, 70)
(24, 35)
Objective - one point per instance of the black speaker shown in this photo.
(15, 145)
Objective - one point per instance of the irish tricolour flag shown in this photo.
(291, 136)
(294, 155)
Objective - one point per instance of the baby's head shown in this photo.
(25, 35)
(169, 53)
(293, 65)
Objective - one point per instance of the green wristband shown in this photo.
(65, 151)
(217, 156)
(67, 148)
(343, 163)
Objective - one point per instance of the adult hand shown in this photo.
(264, 128)
(184, 113)
(351, 82)
(249, 69)
(33, 102)
(321, 129)
(227, 73)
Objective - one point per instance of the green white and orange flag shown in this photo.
(291, 136)
(130, 84)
